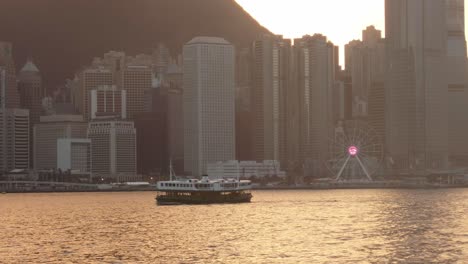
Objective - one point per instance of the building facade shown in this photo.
(14, 139)
(245, 169)
(30, 89)
(74, 155)
(316, 64)
(31, 94)
(416, 83)
(108, 101)
(270, 82)
(137, 78)
(90, 79)
(9, 95)
(457, 73)
(365, 64)
(113, 148)
(160, 130)
(209, 103)
(244, 128)
(49, 131)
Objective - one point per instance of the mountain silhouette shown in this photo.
(63, 35)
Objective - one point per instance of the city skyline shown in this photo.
(296, 95)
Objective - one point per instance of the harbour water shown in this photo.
(329, 226)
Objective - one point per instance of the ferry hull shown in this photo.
(203, 198)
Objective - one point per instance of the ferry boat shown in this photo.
(204, 191)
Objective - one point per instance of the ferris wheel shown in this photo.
(355, 151)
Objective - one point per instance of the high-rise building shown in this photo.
(160, 130)
(152, 143)
(108, 101)
(416, 85)
(113, 148)
(270, 82)
(90, 79)
(14, 139)
(137, 78)
(244, 131)
(456, 42)
(365, 66)
(457, 73)
(47, 133)
(161, 58)
(175, 116)
(31, 94)
(317, 80)
(9, 95)
(30, 89)
(209, 103)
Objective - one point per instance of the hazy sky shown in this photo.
(340, 20)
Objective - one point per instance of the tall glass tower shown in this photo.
(416, 99)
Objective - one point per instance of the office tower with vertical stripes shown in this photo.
(270, 82)
(209, 103)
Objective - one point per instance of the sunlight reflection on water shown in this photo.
(338, 226)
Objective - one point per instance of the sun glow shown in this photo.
(340, 20)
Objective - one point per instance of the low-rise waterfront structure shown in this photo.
(245, 169)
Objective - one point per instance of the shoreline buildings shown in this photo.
(279, 100)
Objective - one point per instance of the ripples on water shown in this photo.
(341, 226)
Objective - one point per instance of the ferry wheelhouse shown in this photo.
(204, 191)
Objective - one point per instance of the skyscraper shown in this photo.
(416, 85)
(31, 94)
(30, 89)
(9, 96)
(317, 65)
(209, 107)
(244, 129)
(270, 82)
(365, 65)
(90, 79)
(456, 42)
(161, 58)
(457, 73)
(137, 78)
(113, 148)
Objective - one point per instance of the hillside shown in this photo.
(63, 35)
